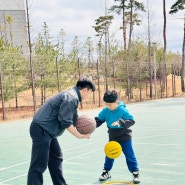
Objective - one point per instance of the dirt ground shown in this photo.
(25, 108)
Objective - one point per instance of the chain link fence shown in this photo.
(25, 89)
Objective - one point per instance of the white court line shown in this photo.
(169, 164)
(12, 166)
(154, 128)
(64, 161)
(82, 154)
(164, 164)
(1, 169)
(15, 122)
(79, 146)
(157, 144)
(160, 135)
(16, 177)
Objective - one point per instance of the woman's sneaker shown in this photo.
(136, 179)
(105, 175)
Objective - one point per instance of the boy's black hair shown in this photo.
(110, 96)
(85, 83)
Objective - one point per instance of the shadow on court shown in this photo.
(158, 139)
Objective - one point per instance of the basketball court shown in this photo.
(158, 139)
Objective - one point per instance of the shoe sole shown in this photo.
(136, 182)
(104, 179)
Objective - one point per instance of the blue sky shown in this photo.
(76, 18)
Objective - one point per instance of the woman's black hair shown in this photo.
(85, 83)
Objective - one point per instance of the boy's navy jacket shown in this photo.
(59, 112)
(120, 114)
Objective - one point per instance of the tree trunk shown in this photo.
(30, 59)
(183, 58)
(164, 76)
(131, 25)
(2, 94)
(124, 28)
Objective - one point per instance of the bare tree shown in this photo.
(177, 6)
(133, 17)
(164, 77)
(121, 9)
(30, 58)
(102, 29)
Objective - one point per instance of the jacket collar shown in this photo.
(78, 93)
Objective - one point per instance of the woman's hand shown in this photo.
(85, 136)
(77, 134)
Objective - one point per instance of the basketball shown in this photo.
(112, 149)
(85, 124)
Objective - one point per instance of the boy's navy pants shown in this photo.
(46, 152)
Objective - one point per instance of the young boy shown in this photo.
(119, 121)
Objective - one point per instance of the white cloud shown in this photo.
(77, 17)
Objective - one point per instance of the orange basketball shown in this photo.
(86, 124)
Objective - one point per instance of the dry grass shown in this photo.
(25, 102)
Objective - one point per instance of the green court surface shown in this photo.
(158, 139)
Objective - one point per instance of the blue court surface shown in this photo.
(158, 139)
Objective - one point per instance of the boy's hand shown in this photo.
(116, 123)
